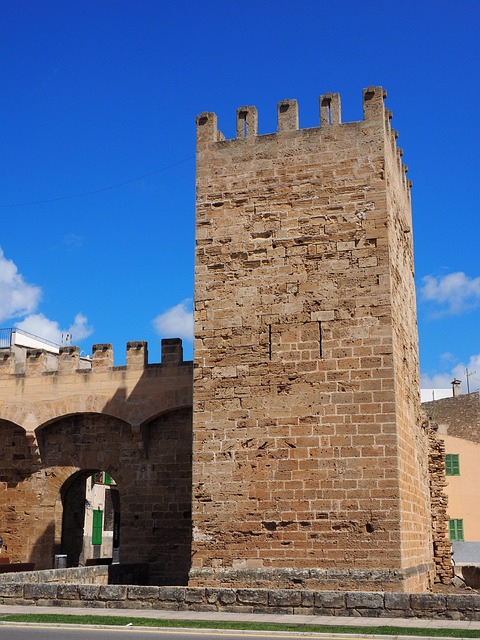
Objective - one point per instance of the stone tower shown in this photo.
(309, 462)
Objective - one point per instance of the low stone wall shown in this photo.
(114, 574)
(334, 603)
(76, 575)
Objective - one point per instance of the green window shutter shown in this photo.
(108, 478)
(452, 464)
(455, 528)
(97, 528)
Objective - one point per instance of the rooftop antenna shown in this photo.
(467, 376)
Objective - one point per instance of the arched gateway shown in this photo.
(64, 424)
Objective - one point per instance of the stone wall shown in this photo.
(442, 547)
(61, 426)
(132, 574)
(302, 602)
(73, 575)
(308, 445)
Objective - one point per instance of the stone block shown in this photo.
(399, 601)
(143, 593)
(252, 596)
(364, 600)
(222, 596)
(11, 590)
(463, 602)
(67, 592)
(113, 592)
(308, 599)
(330, 600)
(195, 595)
(38, 591)
(428, 602)
(284, 598)
(89, 592)
(171, 594)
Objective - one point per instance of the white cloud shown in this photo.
(41, 326)
(80, 328)
(176, 322)
(456, 292)
(444, 380)
(17, 297)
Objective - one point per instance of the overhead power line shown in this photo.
(91, 193)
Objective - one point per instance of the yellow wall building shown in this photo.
(459, 427)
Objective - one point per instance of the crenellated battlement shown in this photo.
(330, 119)
(31, 362)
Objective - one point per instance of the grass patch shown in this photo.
(51, 618)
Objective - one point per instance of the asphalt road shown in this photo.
(71, 632)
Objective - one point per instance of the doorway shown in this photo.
(91, 519)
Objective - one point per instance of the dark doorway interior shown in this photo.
(91, 519)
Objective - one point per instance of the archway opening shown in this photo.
(90, 520)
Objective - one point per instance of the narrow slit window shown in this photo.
(242, 116)
(270, 341)
(320, 339)
(327, 104)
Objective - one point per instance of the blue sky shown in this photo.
(99, 93)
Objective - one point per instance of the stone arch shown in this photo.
(76, 436)
(73, 529)
(16, 414)
(86, 441)
(155, 489)
(136, 408)
(51, 411)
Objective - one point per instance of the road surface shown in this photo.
(22, 631)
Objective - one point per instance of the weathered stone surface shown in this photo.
(176, 594)
(330, 600)
(397, 601)
(112, 592)
(222, 596)
(364, 600)
(285, 598)
(432, 601)
(39, 591)
(89, 592)
(460, 602)
(308, 599)
(143, 593)
(341, 603)
(11, 590)
(252, 596)
(67, 592)
(309, 449)
(194, 596)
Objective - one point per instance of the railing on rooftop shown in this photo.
(7, 338)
